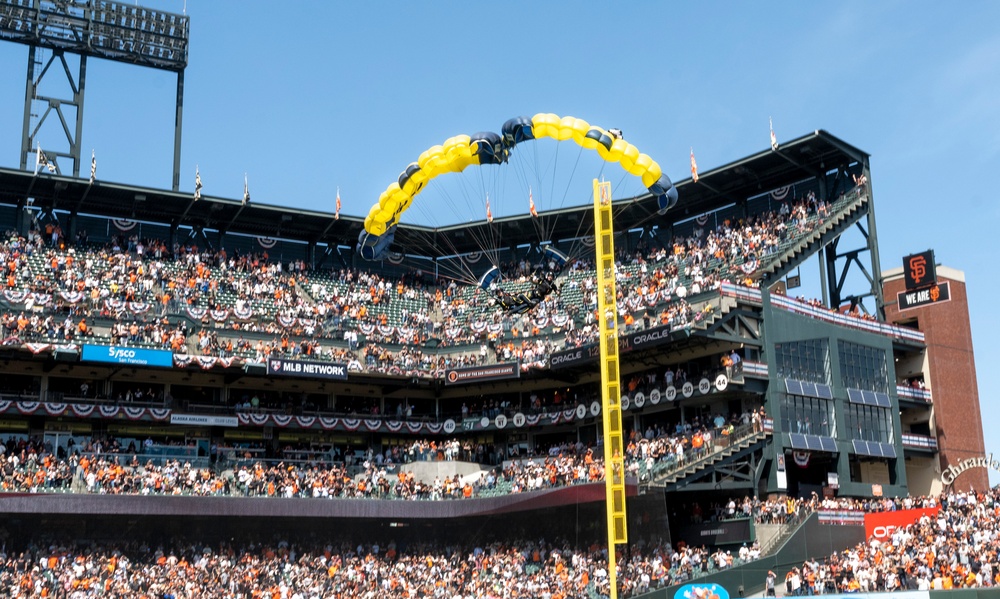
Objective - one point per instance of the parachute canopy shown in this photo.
(461, 151)
(375, 247)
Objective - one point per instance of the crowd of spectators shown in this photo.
(283, 569)
(137, 283)
(108, 466)
(955, 549)
(853, 310)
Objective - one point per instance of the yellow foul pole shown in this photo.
(607, 309)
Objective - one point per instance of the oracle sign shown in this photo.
(881, 525)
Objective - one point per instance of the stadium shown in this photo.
(208, 395)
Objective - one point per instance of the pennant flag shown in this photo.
(531, 204)
(489, 213)
(197, 184)
(774, 140)
(694, 167)
(246, 190)
(93, 166)
(336, 215)
(42, 160)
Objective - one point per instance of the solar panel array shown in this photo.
(813, 442)
(869, 398)
(796, 387)
(874, 448)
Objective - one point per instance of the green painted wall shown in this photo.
(781, 326)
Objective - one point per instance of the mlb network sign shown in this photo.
(326, 370)
(130, 356)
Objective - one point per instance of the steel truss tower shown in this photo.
(87, 28)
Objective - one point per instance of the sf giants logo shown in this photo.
(935, 293)
(918, 268)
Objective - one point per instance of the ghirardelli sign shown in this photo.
(953, 472)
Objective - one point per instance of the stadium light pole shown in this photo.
(89, 28)
(607, 309)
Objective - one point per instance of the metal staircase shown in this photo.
(742, 440)
(843, 219)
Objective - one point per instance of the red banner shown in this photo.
(882, 525)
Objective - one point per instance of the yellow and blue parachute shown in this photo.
(461, 151)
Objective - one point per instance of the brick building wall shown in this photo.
(950, 371)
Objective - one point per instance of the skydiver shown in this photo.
(543, 285)
(515, 304)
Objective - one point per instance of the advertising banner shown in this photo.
(841, 517)
(456, 376)
(881, 525)
(130, 356)
(574, 356)
(723, 532)
(935, 294)
(204, 420)
(626, 342)
(325, 370)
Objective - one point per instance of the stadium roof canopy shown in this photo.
(795, 160)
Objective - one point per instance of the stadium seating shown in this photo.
(234, 297)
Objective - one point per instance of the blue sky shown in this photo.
(306, 97)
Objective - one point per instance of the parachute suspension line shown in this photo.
(552, 225)
(579, 247)
(465, 272)
(428, 243)
(491, 245)
(533, 176)
(522, 167)
(467, 191)
(434, 243)
(492, 248)
(442, 269)
(545, 228)
(459, 279)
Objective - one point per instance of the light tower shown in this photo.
(110, 30)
